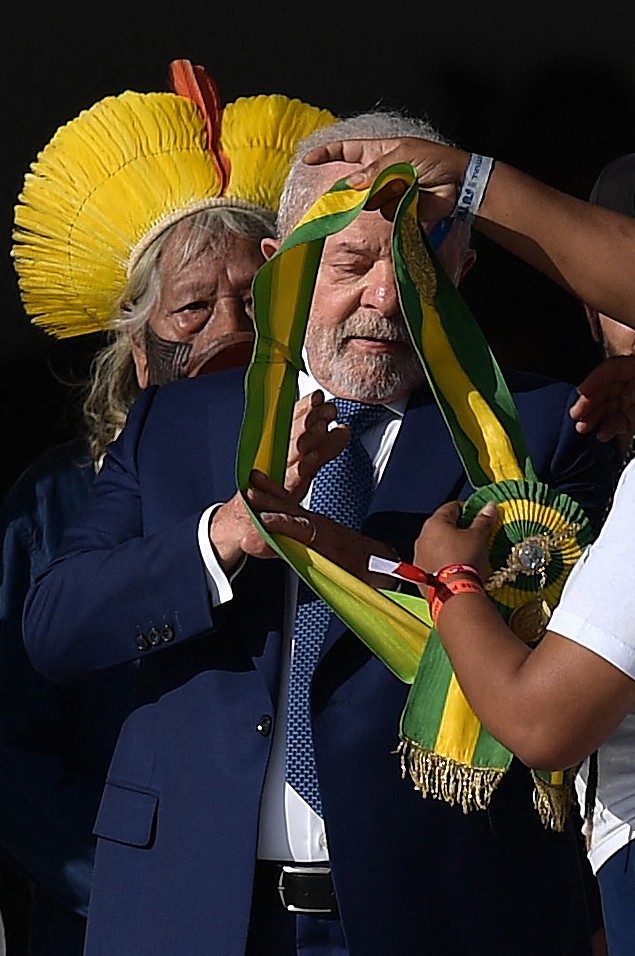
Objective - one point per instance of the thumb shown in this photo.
(486, 517)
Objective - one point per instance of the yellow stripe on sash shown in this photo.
(271, 397)
(476, 418)
(460, 727)
(396, 636)
(286, 284)
(341, 201)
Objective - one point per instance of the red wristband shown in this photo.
(446, 591)
(451, 569)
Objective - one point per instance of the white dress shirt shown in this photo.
(289, 828)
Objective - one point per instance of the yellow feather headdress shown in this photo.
(120, 173)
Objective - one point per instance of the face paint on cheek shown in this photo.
(167, 360)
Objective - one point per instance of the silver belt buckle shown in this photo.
(289, 907)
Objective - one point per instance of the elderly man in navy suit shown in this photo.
(205, 845)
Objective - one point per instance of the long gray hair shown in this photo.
(113, 384)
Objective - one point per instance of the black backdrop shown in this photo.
(547, 85)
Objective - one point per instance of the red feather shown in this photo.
(194, 83)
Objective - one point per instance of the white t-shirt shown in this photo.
(597, 610)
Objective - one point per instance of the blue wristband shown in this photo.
(477, 174)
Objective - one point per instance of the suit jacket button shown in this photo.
(264, 725)
(142, 642)
(154, 636)
(167, 633)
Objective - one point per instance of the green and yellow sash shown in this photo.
(444, 747)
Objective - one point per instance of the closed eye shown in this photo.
(356, 267)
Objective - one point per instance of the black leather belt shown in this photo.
(301, 888)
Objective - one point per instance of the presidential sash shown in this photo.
(539, 533)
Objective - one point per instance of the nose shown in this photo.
(380, 289)
(229, 316)
(225, 341)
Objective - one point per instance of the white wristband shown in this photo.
(477, 174)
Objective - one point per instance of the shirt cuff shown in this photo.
(218, 584)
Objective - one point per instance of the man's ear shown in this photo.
(593, 318)
(269, 246)
(140, 359)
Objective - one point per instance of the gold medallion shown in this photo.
(529, 621)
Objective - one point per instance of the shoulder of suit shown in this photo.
(519, 382)
(205, 388)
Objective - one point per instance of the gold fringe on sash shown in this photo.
(445, 779)
(552, 801)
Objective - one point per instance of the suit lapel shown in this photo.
(423, 470)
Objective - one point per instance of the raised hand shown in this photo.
(607, 399)
(440, 169)
(312, 443)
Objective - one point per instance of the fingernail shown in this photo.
(489, 510)
(355, 179)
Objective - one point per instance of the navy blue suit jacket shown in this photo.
(178, 822)
(56, 741)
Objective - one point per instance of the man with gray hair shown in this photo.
(278, 838)
(186, 310)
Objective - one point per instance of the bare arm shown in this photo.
(551, 706)
(587, 249)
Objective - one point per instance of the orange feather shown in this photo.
(194, 83)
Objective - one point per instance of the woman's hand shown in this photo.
(440, 170)
(442, 543)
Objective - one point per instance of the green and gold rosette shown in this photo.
(539, 535)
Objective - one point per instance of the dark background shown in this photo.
(546, 85)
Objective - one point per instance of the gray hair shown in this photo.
(304, 184)
(113, 385)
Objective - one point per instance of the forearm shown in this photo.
(487, 659)
(550, 706)
(587, 249)
(90, 609)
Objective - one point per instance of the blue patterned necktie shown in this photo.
(342, 490)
